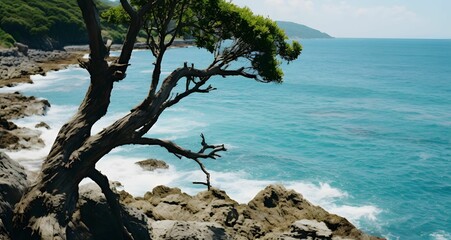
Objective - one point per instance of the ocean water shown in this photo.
(361, 127)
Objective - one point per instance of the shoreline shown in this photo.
(133, 200)
(17, 68)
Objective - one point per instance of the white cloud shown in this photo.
(345, 18)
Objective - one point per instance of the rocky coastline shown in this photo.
(163, 213)
(16, 67)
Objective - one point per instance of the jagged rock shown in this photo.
(94, 220)
(13, 182)
(274, 213)
(7, 139)
(152, 164)
(16, 105)
(7, 125)
(181, 230)
(20, 138)
(42, 125)
(13, 106)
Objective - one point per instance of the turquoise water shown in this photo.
(361, 127)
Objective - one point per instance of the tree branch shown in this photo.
(181, 152)
(129, 9)
(92, 21)
(204, 76)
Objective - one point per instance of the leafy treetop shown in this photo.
(228, 31)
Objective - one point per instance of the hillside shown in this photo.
(53, 24)
(47, 25)
(42, 24)
(296, 31)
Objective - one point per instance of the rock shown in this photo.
(22, 48)
(16, 105)
(21, 138)
(277, 206)
(42, 125)
(13, 182)
(8, 140)
(13, 106)
(152, 164)
(7, 125)
(304, 229)
(274, 213)
(181, 230)
(94, 220)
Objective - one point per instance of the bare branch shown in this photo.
(204, 76)
(177, 29)
(179, 151)
(92, 22)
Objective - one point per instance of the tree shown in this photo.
(229, 32)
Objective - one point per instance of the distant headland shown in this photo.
(299, 31)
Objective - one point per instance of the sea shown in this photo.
(361, 127)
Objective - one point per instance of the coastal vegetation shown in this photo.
(54, 24)
(229, 32)
(48, 25)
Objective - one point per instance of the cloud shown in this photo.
(341, 18)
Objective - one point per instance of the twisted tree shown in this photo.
(227, 31)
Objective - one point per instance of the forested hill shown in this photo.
(53, 24)
(296, 31)
(49, 24)
(42, 24)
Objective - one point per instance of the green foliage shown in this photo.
(6, 40)
(255, 38)
(228, 31)
(259, 40)
(51, 23)
(37, 22)
(115, 15)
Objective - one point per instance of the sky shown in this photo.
(362, 18)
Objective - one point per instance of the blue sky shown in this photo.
(362, 18)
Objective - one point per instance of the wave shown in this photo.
(440, 235)
(238, 185)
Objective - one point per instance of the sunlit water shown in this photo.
(360, 127)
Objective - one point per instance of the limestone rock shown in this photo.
(13, 182)
(181, 230)
(152, 164)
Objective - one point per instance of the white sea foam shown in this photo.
(55, 118)
(441, 235)
(238, 186)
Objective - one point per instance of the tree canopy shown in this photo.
(230, 33)
(224, 29)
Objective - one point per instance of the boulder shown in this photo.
(93, 218)
(181, 230)
(152, 164)
(13, 182)
(22, 48)
(42, 125)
